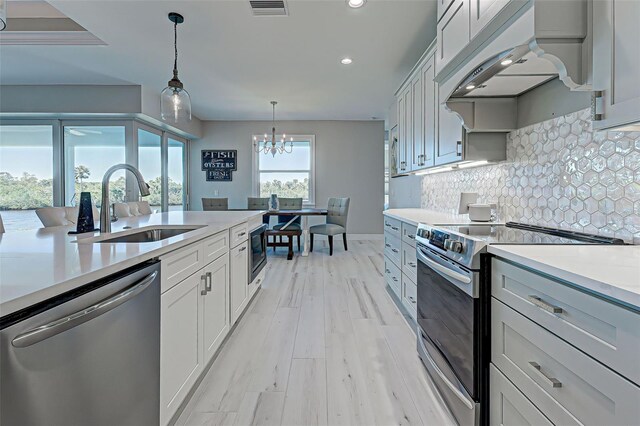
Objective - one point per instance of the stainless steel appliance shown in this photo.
(87, 357)
(453, 305)
(258, 258)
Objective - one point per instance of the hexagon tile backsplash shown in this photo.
(558, 173)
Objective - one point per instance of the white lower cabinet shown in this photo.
(181, 355)
(239, 260)
(508, 406)
(215, 309)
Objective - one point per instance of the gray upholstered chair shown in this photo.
(215, 204)
(259, 204)
(289, 204)
(337, 211)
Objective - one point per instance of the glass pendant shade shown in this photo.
(175, 104)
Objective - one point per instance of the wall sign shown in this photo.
(219, 164)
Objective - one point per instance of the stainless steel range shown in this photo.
(453, 305)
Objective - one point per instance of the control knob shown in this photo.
(454, 246)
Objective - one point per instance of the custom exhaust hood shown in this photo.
(550, 39)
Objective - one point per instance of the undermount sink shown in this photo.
(149, 235)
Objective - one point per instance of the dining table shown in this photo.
(304, 214)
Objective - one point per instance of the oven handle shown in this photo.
(443, 269)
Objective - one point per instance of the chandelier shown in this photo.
(270, 144)
(175, 102)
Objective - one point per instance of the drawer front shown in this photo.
(238, 234)
(409, 234)
(392, 226)
(393, 276)
(568, 386)
(178, 265)
(409, 261)
(392, 248)
(215, 246)
(410, 295)
(605, 331)
(508, 406)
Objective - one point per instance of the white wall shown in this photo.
(349, 161)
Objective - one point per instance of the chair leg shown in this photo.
(298, 243)
(311, 242)
(290, 253)
(344, 240)
(330, 245)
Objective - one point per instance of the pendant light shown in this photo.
(175, 102)
(269, 145)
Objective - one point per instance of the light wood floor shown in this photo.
(321, 344)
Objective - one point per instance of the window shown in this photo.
(89, 151)
(150, 165)
(26, 174)
(176, 174)
(287, 175)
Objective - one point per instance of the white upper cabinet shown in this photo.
(616, 62)
(453, 32)
(443, 6)
(416, 142)
(429, 111)
(405, 129)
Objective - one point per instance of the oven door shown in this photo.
(258, 258)
(447, 316)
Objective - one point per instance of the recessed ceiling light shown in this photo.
(346, 61)
(506, 62)
(355, 3)
(471, 87)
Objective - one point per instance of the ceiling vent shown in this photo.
(269, 7)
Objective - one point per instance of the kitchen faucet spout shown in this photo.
(105, 218)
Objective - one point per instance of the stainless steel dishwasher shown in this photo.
(88, 357)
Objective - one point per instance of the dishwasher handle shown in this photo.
(53, 328)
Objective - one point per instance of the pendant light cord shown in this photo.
(175, 48)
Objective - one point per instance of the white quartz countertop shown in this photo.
(40, 264)
(429, 217)
(610, 271)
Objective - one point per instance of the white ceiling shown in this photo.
(233, 63)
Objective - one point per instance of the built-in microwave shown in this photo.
(258, 255)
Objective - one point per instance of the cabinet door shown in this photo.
(416, 145)
(443, 6)
(239, 282)
(406, 128)
(616, 53)
(180, 345)
(429, 111)
(450, 137)
(215, 306)
(402, 132)
(452, 32)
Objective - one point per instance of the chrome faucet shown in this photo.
(105, 217)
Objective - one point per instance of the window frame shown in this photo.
(312, 165)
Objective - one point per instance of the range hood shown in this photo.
(548, 40)
(508, 74)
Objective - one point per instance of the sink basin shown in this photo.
(148, 235)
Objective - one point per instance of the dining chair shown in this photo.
(289, 204)
(132, 208)
(254, 203)
(337, 211)
(215, 204)
(1, 225)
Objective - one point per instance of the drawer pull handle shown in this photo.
(203, 292)
(413, 300)
(552, 381)
(412, 264)
(395, 250)
(394, 228)
(243, 248)
(544, 305)
(387, 271)
(394, 279)
(387, 245)
(413, 237)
